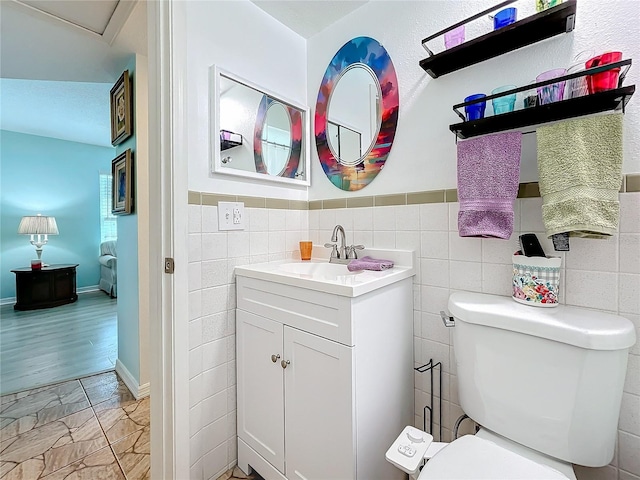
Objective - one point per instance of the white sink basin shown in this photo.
(328, 271)
(320, 275)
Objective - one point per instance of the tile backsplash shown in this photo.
(600, 274)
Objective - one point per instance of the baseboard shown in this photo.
(7, 300)
(90, 288)
(138, 391)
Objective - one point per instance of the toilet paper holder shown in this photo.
(429, 367)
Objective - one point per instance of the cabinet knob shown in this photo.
(274, 358)
(284, 363)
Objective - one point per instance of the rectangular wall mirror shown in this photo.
(257, 133)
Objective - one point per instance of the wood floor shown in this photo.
(42, 347)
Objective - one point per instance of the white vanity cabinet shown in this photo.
(325, 381)
(315, 387)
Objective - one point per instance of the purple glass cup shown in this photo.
(454, 37)
(553, 92)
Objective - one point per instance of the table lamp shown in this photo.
(39, 227)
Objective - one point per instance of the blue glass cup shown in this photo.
(505, 17)
(505, 103)
(475, 111)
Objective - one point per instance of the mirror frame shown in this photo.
(215, 72)
(370, 53)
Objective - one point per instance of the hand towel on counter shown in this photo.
(368, 263)
(488, 179)
(580, 170)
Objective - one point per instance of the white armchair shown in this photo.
(109, 268)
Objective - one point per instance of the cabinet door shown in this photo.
(64, 285)
(319, 420)
(260, 386)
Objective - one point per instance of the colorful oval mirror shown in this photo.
(277, 144)
(356, 113)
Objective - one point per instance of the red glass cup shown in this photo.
(607, 80)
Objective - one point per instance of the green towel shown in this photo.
(580, 170)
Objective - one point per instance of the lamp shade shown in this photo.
(38, 224)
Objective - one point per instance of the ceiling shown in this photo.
(59, 58)
(93, 16)
(308, 17)
(39, 45)
(73, 111)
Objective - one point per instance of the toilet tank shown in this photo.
(548, 378)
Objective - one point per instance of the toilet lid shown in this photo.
(470, 457)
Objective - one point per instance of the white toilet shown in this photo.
(545, 384)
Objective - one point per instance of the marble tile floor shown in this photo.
(91, 428)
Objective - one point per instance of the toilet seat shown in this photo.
(474, 458)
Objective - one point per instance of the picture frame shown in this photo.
(120, 100)
(122, 183)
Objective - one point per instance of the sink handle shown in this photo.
(351, 251)
(334, 247)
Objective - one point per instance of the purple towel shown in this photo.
(488, 177)
(368, 263)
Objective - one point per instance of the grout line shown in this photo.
(124, 474)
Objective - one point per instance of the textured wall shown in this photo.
(52, 177)
(243, 40)
(423, 156)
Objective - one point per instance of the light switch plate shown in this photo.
(230, 216)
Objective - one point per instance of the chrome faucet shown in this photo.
(343, 240)
(341, 253)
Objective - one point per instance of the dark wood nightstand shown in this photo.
(49, 287)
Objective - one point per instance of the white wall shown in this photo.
(599, 274)
(244, 40)
(241, 39)
(423, 156)
(247, 42)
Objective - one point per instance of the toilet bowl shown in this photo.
(544, 384)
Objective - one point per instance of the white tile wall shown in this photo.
(270, 234)
(600, 274)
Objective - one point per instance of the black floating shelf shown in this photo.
(232, 140)
(546, 24)
(608, 100)
(227, 144)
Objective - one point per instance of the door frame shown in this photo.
(168, 195)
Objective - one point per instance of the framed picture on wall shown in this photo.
(121, 121)
(122, 183)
